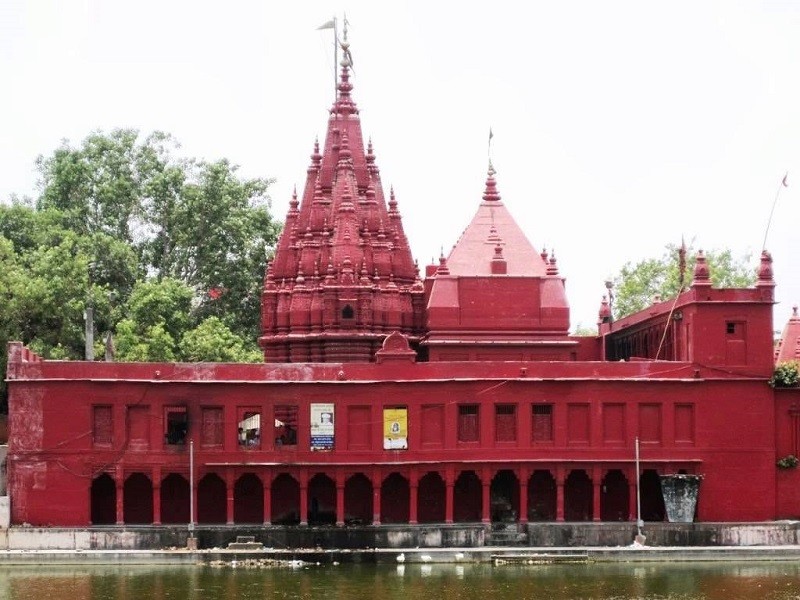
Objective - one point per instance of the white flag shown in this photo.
(327, 25)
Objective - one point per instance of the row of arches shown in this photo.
(396, 500)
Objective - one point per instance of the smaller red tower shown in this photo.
(495, 296)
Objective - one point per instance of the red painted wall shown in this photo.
(725, 428)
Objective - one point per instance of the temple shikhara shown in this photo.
(388, 395)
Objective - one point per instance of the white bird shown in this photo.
(459, 555)
(425, 558)
(401, 557)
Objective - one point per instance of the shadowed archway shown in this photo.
(431, 499)
(174, 499)
(103, 500)
(137, 499)
(248, 499)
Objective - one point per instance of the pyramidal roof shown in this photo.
(789, 344)
(490, 228)
(342, 274)
(343, 214)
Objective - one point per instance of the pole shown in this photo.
(638, 493)
(88, 317)
(335, 61)
(191, 489)
(782, 184)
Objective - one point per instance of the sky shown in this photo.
(619, 127)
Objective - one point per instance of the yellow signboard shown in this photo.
(395, 428)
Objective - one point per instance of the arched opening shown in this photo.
(103, 500)
(211, 501)
(137, 499)
(431, 499)
(578, 497)
(504, 494)
(652, 500)
(321, 500)
(174, 499)
(248, 499)
(358, 500)
(394, 499)
(347, 312)
(542, 496)
(467, 498)
(614, 497)
(285, 500)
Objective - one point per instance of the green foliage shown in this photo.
(212, 341)
(638, 283)
(124, 225)
(144, 344)
(786, 375)
(166, 303)
(789, 461)
(582, 331)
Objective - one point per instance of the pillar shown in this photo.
(560, 495)
(119, 484)
(267, 497)
(303, 497)
(376, 497)
(229, 487)
(449, 483)
(524, 475)
(486, 483)
(340, 482)
(413, 487)
(597, 480)
(156, 479)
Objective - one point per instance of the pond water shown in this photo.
(729, 581)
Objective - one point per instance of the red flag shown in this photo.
(215, 293)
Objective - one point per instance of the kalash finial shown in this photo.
(347, 58)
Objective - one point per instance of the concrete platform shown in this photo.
(314, 557)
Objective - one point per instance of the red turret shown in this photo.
(343, 277)
(495, 295)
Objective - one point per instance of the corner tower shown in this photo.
(342, 278)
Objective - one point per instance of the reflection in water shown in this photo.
(770, 581)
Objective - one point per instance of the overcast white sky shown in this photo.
(618, 126)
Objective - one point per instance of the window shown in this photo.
(249, 429)
(542, 423)
(468, 430)
(505, 421)
(212, 427)
(102, 426)
(286, 425)
(347, 312)
(176, 425)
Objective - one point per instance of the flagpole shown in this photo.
(335, 60)
(782, 184)
(638, 493)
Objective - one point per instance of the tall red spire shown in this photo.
(343, 277)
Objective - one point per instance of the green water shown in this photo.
(772, 581)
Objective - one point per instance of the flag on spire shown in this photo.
(327, 25)
(784, 182)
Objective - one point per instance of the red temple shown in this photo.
(386, 399)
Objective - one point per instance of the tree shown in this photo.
(156, 243)
(638, 284)
(212, 341)
(195, 221)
